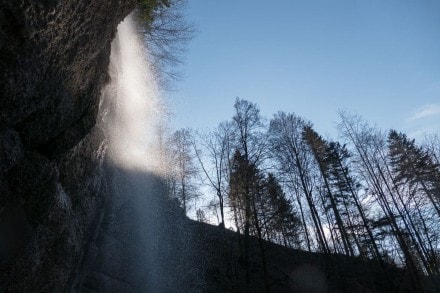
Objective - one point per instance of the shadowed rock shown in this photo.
(54, 57)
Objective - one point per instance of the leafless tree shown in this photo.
(295, 162)
(214, 154)
(250, 151)
(166, 33)
(184, 169)
(370, 149)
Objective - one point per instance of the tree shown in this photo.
(184, 169)
(245, 189)
(248, 125)
(321, 152)
(271, 215)
(373, 166)
(295, 163)
(217, 147)
(201, 217)
(278, 218)
(348, 188)
(416, 174)
(250, 151)
(431, 143)
(415, 167)
(166, 34)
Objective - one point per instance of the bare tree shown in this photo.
(296, 164)
(166, 34)
(431, 143)
(370, 149)
(250, 151)
(184, 169)
(416, 180)
(216, 148)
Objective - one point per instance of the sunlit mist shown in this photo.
(135, 110)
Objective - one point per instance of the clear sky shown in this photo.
(378, 58)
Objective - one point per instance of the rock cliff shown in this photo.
(70, 221)
(54, 57)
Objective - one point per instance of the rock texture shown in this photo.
(54, 57)
(71, 222)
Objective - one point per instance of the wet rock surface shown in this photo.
(54, 57)
(69, 221)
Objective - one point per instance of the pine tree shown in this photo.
(415, 171)
(322, 155)
(372, 165)
(251, 147)
(280, 222)
(247, 197)
(415, 167)
(295, 164)
(345, 183)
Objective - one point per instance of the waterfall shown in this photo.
(132, 102)
(143, 243)
(127, 257)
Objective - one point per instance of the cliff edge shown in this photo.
(54, 57)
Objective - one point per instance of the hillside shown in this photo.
(144, 243)
(73, 221)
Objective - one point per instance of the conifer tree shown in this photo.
(251, 148)
(322, 155)
(415, 167)
(296, 166)
(280, 221)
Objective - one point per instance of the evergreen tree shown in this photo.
(246, 196)
(295, 164)
(418, 175)
(373, 168)
(415, 167)
(251, 148)
(280, 221)
(323, 156)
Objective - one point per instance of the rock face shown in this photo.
(53, 63)
(144, 242)
(69, 221)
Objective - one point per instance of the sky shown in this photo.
(376, 58)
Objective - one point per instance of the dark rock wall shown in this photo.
(144, 242)
(53, 63)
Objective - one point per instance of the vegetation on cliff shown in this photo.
(166, 33)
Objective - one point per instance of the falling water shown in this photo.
(143, 243)
(132, 102)
(128, 258)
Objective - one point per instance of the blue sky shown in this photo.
(378, 58)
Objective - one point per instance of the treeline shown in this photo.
(374, 195)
